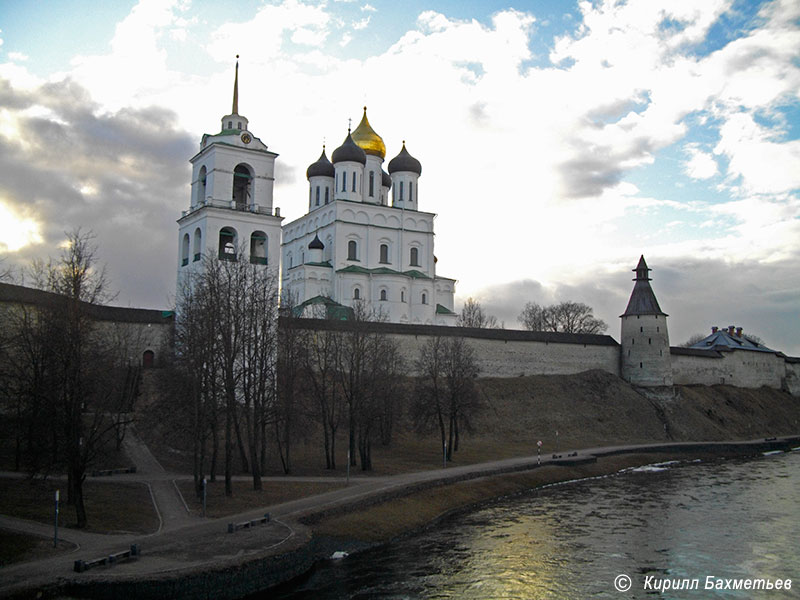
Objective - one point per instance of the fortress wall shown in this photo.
(792, 378)
(740, 368)
(513, 358)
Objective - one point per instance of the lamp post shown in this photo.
(205, 485)
(55, 521)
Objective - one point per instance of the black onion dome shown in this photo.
(316, 243)
(386, 179)
(405, 162)
(349, 151)
(321, 168)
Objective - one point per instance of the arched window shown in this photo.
(242, 190)
(327, 196)
(239, 125)
(402, 295)
(356, 294)
(185, 250)
(148, 359)
(410, 191)
(201, 188)
(344, 181)
(424, 298)
(317, 196)
(371, 183)
(354, 181)
(352, 250)
(384, 254)
(414, 258)
(198, 244)
(401, 191)
(227, 243)
(383, 295)
(258, 248)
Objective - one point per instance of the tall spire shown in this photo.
(235, 110)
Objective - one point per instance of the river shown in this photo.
(664, 525)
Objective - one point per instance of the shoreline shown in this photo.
(368, 520)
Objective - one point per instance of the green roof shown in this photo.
(318, 264)
(333, 310)
(413, 274)
(443, 310)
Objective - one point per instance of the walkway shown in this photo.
(186, 542)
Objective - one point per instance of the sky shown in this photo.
(559, 141)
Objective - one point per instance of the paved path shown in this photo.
(185, 542)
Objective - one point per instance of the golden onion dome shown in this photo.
(366, 138)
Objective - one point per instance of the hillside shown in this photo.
(589, 409)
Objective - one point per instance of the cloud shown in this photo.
(368, 8)
(701, 165)
(118, 174)
(361, 24)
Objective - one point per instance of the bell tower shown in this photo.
(645, 359)
(231, 215)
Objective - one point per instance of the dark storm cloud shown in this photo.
(124, 175)
(696, 293)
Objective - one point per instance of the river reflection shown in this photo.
(730, 519)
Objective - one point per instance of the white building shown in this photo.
(230, 214)
(354, 245)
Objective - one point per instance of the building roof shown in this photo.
(316, 243)
(333, 310)
(509, 335)
(723, 340)
(17, 294)
(349, 152)
(405, 162)
(322, 168)
(643, 299)
(366, 138)
(412, 273)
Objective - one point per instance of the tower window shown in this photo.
(633, 341)
(327, 195)
(383, 295)
(371, 183)
(649, 340)
(640, 365)
(401, 191)
(198, 245)
(242, 182)
(344, 181)
(410, 191)
(354, 181)
(414, 258)
(317, 203)
(239, 125)
(230, 124)
(185, 250)
(352, 250)
(258, 248)
(227, 243)
(424, 298)
(641, 329)
(402, 295)
(356, 294)
(384, 254)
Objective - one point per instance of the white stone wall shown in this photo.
(512, 358)
(739, 368)
(792, 380)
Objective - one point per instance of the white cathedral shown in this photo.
(355, 244)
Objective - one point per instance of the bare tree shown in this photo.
(566, 317)
(321, 370)
(473, 315)
(446, 391)
(227, 326)
(71, 380)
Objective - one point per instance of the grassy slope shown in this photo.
(593, 408)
